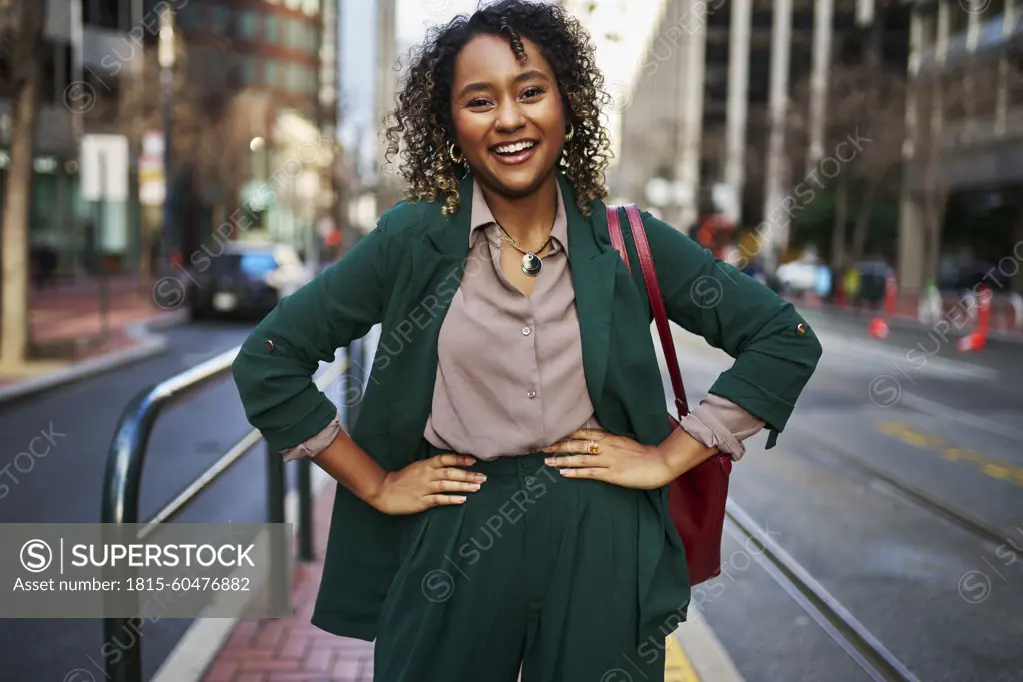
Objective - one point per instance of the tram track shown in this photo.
(820, 605)
(922, 499)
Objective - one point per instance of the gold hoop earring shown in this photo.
(451, 153)
(571, 133)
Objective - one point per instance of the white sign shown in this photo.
(104, 167)
(152, 187)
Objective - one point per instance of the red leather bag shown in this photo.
(696, 499)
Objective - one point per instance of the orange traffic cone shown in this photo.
(971, 342)
(978, 339)
(878, 328)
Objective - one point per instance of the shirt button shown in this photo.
(525, 331)
(269, 345)
(531, 395)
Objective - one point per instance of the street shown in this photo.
(897, 487)
(65, 485)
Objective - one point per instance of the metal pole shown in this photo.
(120, 506)
(306, 551)
(354, 381)
(166, 54)
(275, 490)
(104, 294)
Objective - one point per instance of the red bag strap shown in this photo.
(653, 290)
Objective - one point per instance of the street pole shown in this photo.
(104, 294)
(166, 58)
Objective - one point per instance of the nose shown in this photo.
(510, 117)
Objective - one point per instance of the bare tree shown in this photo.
(21, 36)
(213, 127)
(866, 102)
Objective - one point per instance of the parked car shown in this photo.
(798, 277)
(246, 279)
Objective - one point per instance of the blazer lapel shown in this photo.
(594, 265)
(435, 266)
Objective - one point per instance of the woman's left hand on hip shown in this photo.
(604, 456)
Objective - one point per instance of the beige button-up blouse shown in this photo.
(510, 373)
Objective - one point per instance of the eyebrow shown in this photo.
(524, 76)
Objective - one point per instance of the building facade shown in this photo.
(55, 208)
(711, 103)
(964, 151)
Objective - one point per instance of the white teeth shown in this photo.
(512, 148)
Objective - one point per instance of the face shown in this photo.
(509, 120)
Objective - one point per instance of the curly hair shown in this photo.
(421, 129)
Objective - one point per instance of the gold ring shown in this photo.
(593, 448)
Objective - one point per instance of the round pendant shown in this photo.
(531, 264)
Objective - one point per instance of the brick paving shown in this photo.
(71, 310)
(65, 322)
(292, 649)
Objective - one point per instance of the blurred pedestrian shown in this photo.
(852, 287)
(502, 504)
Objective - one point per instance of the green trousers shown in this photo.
(533, 573)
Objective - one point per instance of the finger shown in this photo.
(576, 461)
(582, 446)
(445, 486)
(441, 499)
(593, 472)
(453, 474)
(450, 459)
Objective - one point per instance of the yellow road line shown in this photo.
(988, 466)
(677, 667)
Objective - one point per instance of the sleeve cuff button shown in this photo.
(800, 328)
(269, 345)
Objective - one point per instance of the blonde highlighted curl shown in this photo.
(420, 129)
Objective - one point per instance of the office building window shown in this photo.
(248, 28)
(250, 71)
(270, 72)
(219, 20)
(271, 29)
(102, 13)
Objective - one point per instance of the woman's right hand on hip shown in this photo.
(427, 483)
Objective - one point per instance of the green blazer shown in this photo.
(403, 275)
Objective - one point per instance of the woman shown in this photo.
(474, 534)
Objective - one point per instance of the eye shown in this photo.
(478, 102)
(533, 92)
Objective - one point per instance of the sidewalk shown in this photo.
(293, 650)
(65, 326)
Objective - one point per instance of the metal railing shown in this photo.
(127, 454)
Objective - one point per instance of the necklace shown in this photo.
(531, 263)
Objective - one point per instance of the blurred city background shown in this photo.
(170, 169)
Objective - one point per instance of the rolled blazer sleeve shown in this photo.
(274, 368)
(775, 351)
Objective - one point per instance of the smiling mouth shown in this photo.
(514, 148)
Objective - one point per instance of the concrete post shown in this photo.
(775, 219)
(911, 229)
(694, 36)
(822, 34)
(737, 106)
(386, 84)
